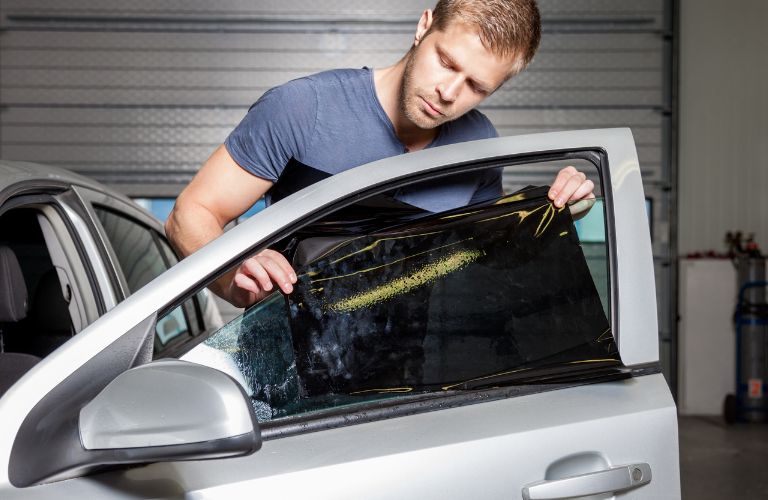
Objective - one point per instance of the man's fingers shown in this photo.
(262, 271)
(243, 281)
(570, 187)
(280, 260)
(276, 273)
(560, 181)
(585, 190)
(254, 269)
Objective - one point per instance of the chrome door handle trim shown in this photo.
(612, 480)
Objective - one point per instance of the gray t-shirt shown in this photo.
(323, 124)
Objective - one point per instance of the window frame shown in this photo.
(94, 201)
(189, 308)
(411, 404)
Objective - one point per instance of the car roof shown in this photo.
(15, 172)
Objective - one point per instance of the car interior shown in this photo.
(34, 312)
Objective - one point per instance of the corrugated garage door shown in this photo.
(137, 94)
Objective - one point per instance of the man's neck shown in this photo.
(388, 83)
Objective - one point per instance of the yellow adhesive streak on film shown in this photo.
(606, 335)
(337, 247)
(449, 387)
(546, 220)
(511, 199)
(405, 284)
(390, 263)
(383, 391)
(523, 214)
(376, 243)
(564, 233)
(456, 216)
(585, 361)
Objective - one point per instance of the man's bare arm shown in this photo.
(219, 193)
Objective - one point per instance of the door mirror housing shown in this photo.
(162, 411)
(195, 409)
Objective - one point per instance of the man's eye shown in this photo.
(478, 90)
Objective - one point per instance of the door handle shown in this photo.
(594, 483)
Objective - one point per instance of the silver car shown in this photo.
(503, 349)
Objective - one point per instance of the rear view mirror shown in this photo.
(170, 410)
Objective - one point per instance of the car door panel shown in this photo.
(482, 451)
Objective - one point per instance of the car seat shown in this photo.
(49, 315)
(13, 308)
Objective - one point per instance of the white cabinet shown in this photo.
(707, 339)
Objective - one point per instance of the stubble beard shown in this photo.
(411, 99)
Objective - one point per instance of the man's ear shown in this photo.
(425, 22)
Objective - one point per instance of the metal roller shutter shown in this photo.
(138, 94)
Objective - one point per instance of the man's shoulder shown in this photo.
(471, 126)
(341, 75)
(477, 122)
(324, 80)
(316, 87)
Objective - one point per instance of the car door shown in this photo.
(134, 244)
(66, 281)
(568, 402)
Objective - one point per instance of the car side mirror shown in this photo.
(169, 410)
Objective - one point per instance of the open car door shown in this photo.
(490, 346)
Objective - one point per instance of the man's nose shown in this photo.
(449, 88)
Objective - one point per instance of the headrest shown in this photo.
(13, 290)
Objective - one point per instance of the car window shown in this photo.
(395, 300)
(142, 258)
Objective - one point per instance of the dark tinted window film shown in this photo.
(446, 299)
(392, 300)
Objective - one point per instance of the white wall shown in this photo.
(723, 121)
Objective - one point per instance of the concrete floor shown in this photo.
(718, 461)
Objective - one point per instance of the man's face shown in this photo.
(448, 73)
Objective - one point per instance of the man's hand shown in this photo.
(570, 185)
(258, 275)
(220, 192)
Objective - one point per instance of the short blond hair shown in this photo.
(508, 28)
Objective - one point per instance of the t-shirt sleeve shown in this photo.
(492, 132)
(278, 127)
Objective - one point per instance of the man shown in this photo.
(462, 52)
